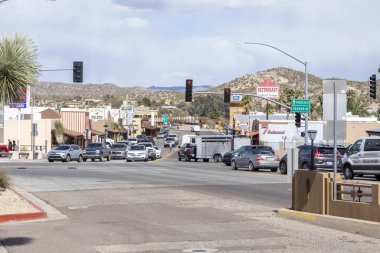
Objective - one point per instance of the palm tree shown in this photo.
(356, 106)
(18, 65)
(247, 103)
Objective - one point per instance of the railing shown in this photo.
(356, 192)
(36, 148)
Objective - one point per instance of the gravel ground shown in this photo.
(12, 203)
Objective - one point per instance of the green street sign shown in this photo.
(165, 118)
(301, 105)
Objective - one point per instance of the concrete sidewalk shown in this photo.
(355, 226)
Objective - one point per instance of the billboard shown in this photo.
(267, 89)
(23, 101)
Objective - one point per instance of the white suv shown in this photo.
(362, 158)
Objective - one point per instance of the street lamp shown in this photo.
(306, 78)
(312, 134)
(105, 132)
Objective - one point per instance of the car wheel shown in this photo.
(187, 158)
(179, 158)
(108, 158)
(100, 159)
(206, 160)
(84, 159)
(216, 158)
(80, 159)
(305, 166)
(283, 168)
(251, 167)
(228, 164)
(128, 161)
(347, 172)
(233, 164)
(273, 169)
(93, 159)
(196, 159)
(68, 158)
(377, 177)
(50, 160)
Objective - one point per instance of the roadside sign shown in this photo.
(301, 105)
(165, 118)
(23, 101)
(268, 89)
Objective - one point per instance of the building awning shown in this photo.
(94, 132)
(373, 132)
(72, 133)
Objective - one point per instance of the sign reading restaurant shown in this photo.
(267, 89)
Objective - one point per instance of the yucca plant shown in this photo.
(18, 65)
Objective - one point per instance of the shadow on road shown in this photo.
(15, 241)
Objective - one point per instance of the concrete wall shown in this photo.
(44, 127)
(313, 192)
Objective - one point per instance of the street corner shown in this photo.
(16, 207)
(354, 226)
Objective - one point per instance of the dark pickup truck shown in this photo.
(96, 150)
(187, 152)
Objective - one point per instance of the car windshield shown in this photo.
(131, 139)
(140, 136)
(147, 144)
(118, 146)
(169, 139)
(156, 148)
(172, 135)
(62, 148)
(94, 145)
(342, 151)
(140, 147)
(265, 152)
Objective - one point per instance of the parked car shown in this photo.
(158, 152)
(96, 150)
(66, 153)
(323, 158)
(132, 141)
(151, 150)
(173, 136)
(227, 157)
(254, 159)
(161, 135)
(119, 151)
(140, 138)
(137, 152)
(4, 149)
(170, 141)
(362, 158)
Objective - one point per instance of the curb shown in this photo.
(23, 216)
(354, 226)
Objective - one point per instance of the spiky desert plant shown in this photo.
(18, 65)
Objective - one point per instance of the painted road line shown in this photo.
(167, 156)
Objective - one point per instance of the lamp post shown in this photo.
(312, 134)
(306, 78)
(105, 133)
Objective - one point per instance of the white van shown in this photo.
(362, 158)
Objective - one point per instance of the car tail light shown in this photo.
(259, 158)
(277, 158)
(316, 154)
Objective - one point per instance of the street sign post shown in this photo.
(301, 105)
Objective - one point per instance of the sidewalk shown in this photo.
(354, 226)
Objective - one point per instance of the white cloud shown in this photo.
(163, 42)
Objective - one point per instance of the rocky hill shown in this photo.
(284, 77)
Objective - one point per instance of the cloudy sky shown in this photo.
(164, 42)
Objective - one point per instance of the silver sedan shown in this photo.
(255, 159)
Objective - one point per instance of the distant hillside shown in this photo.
(285, 77)
(179, 88)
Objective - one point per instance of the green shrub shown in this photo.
(5, 181)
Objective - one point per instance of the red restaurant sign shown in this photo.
(267, 89)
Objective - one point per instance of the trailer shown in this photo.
(211, 146)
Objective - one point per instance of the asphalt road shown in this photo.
(163, 206)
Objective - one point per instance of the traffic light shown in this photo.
(78, 72)
(372, 86)
(298, 119)
(189, 90)
(227, 95)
